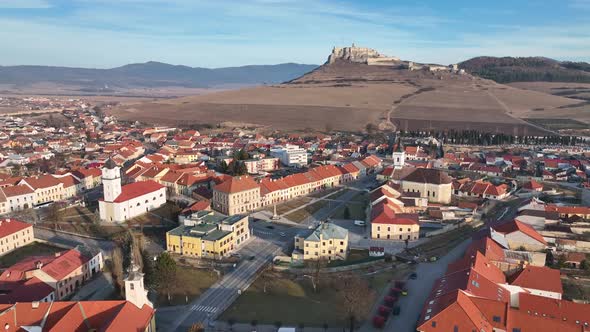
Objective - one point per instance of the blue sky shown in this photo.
(109, 33)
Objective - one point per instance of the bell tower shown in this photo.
(111, 180)
(135, 291)
(399, 154)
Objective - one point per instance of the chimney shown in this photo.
(7, 219)
(38, 264)
(57, 254)
(35, 304)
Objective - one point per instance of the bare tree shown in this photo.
(266, 276)
(136, 249)
(355, 295)
(55, 214)
(318, 266)
(117, 268)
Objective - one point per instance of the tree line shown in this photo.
(473, 137)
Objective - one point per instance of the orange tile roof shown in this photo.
(237, 184)
(538, 277)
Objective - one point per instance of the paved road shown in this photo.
(419, 289)
(222, 294)
(72, 240)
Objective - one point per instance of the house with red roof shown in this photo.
(121, 203)
(14, 234)
(48, 278)
(16, 198)
(520, 235)
(532, 185)
(477, 295)
(236, 195)
(480, 189)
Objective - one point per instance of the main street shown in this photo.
(256, 253)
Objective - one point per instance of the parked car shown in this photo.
(413, 276)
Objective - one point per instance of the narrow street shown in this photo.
(223, 293)
(419, 289)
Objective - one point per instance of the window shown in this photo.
(131, 286)
(433, 324)
(516, 329)
(455, 328)
(496, 319)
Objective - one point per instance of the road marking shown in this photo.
(203, 308)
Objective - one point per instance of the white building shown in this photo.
(290, 155)
(135, 291)
(398, 155)
(121, 203)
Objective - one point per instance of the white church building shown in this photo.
(121, 203)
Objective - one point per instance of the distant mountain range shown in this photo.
(527, 69)
(152, 75)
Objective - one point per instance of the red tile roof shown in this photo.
(10, 226)
(538, 277)
(515, 225)
(17, 190)
(137, 189)
(105, 316)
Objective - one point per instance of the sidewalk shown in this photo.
(100, 288)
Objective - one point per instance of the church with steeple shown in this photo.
(398, 155)
(135, 291)
(121, 203)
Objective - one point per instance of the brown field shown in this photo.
(347, 96)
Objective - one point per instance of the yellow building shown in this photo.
(207, 234)
(328, 241)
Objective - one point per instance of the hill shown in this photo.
(527, 69)
(150, 75)
(357, 87)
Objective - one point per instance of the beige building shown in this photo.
(236, 195)
(328, 241)
(14, 234)
(46, 187)
(399, 229)
(430, 183)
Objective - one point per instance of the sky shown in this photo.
(222, 33)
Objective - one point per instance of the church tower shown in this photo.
(135, 291)
(111, 180)
(399, 154)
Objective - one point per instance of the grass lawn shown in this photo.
(293, 301)
(289, 301)
(289, 205)
(303, 213)
(191, 282)
(356, 212)
(33, 249)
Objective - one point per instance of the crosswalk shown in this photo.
(204, 308)
(262, 232)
